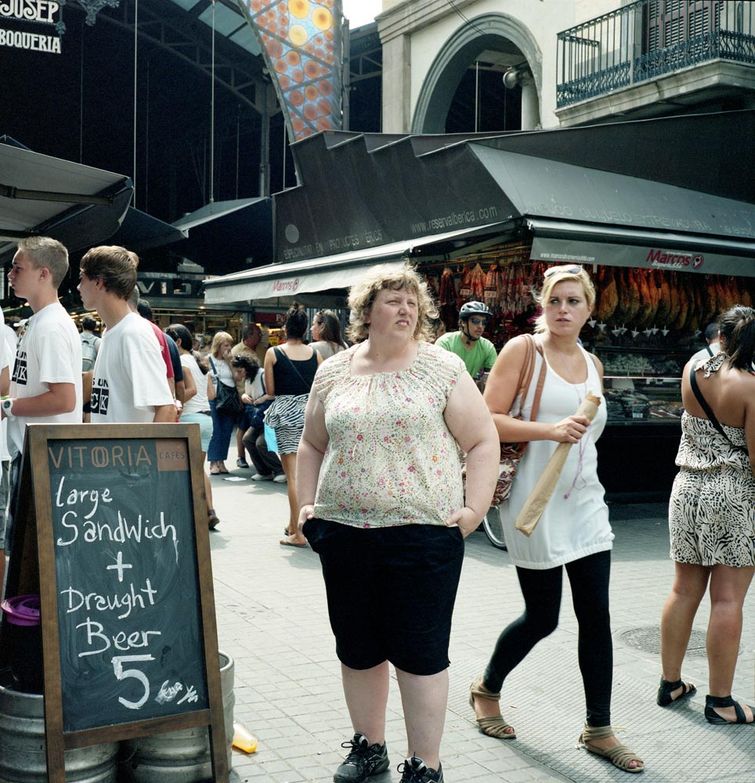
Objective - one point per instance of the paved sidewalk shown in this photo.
(272, 620)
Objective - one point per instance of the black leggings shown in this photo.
(542, 601)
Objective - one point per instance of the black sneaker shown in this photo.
(362, 762)
(416, 771)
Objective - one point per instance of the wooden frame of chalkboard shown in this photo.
(121, 507)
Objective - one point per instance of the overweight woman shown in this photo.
(380, 491)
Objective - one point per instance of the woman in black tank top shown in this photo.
(289, 372)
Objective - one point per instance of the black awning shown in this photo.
(227, 235)
(140, 231)
(358, 193)
(40, 195)
(581, 214)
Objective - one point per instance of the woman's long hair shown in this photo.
(330, 327)
(217, 341)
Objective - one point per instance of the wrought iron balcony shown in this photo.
(645, 40)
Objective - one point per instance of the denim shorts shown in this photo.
(204, 420)
(391, 592)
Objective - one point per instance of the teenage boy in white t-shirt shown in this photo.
(128, 383)
(45, 385)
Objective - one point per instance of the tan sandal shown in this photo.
(619, 755)
(494, 726)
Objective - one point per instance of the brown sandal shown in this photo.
(494, 726)
(619, 755)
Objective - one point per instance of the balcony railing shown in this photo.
(648, 39)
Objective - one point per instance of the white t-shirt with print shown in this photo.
(5, 361)
(48, 352)
(129, 374)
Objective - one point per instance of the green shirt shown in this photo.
(481, 356)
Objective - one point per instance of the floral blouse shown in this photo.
(391, 459)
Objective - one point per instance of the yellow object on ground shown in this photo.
(243, 739)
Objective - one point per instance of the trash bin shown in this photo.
(24, 642)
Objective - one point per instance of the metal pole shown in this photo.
(264, 185)
(136, 71)
(212, 111)
(476, 93)
(81, 96)
(346, 76)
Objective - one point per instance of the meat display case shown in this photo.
(642, 384)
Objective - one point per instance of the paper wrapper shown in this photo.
(533, 509)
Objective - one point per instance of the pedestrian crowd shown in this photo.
(391, 455)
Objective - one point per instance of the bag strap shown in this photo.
(526, 373)
(708, 410)
(539, 387)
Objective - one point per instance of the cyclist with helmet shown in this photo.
(477, 352)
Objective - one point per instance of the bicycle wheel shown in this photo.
(494, 529)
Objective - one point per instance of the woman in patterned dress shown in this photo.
(289, 371)
(382, 504)
(712, 519)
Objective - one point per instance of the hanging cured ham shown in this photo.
(683, 314)
(447, 288)
(490, 297)
(608, 300)
(674, 299)
(664, 300)
(465, 289)
(644, 314)
(447, 299)
(631, 295)
(477, 283)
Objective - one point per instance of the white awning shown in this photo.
(319, 274)
(564, 241)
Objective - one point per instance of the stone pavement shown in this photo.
(272, 620)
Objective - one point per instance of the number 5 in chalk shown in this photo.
(123, 674)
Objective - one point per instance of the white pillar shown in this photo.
(530, 103)
(397, 75)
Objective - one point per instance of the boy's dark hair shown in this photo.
(114, 265)
(144, 308)
(181, 335)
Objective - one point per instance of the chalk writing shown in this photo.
(127, 603)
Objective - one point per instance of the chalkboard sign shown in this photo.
(128, 603)
(124, 572)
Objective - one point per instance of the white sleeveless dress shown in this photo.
(575, 521)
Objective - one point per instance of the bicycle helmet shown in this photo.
(473, 308)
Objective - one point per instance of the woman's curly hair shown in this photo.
(406, 278)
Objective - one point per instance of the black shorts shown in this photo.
(391, 592)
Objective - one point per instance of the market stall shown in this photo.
(645, 326)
